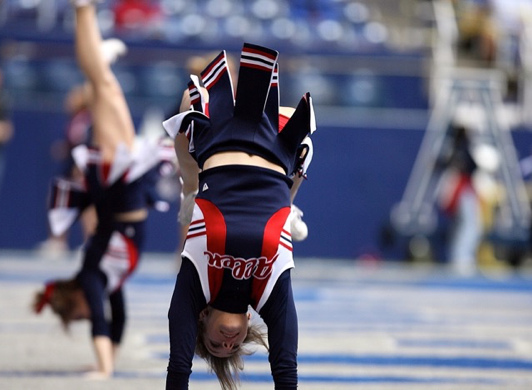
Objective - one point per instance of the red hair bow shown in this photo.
(48, 291)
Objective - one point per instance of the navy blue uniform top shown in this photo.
(244, 201)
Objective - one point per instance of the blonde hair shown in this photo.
(227, 369)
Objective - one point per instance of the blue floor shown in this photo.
(388, 326)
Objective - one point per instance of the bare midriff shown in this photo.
(240, 158)
(132, 216)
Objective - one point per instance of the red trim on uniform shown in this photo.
(199, 233)
(286, 246)
(283, 120)
(272, 232)
(195, 100)
(270, 246)
(255, 66)
(463, 182)
(247, 49)
(191, 89)
(196, 222)
(214, 64)
(126, 175)
(105, 171)
(132, 254)
(196, 234)
(216, 237)
(215, 80)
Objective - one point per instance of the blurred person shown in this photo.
(77, 132)
(477, 31)
(6, 128)
(189, 169)
(509, 18)
(238, 250)
(118, 174)
(460, 201)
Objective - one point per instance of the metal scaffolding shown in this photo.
(475, 94)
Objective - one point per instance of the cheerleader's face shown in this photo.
(224, 332)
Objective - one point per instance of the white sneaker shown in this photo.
(298, 228)
(112, 49)
(187, 208)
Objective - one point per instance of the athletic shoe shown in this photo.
(299, 229)
(112, 49)
(187, 208)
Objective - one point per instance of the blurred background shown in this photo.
(389, 79)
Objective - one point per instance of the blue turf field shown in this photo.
(383, 326)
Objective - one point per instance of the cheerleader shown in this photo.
(118, 179)
(237, 257)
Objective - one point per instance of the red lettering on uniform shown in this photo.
(264, 267)
(242, 269)
(214, 260)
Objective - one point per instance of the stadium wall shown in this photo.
(356, 176)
